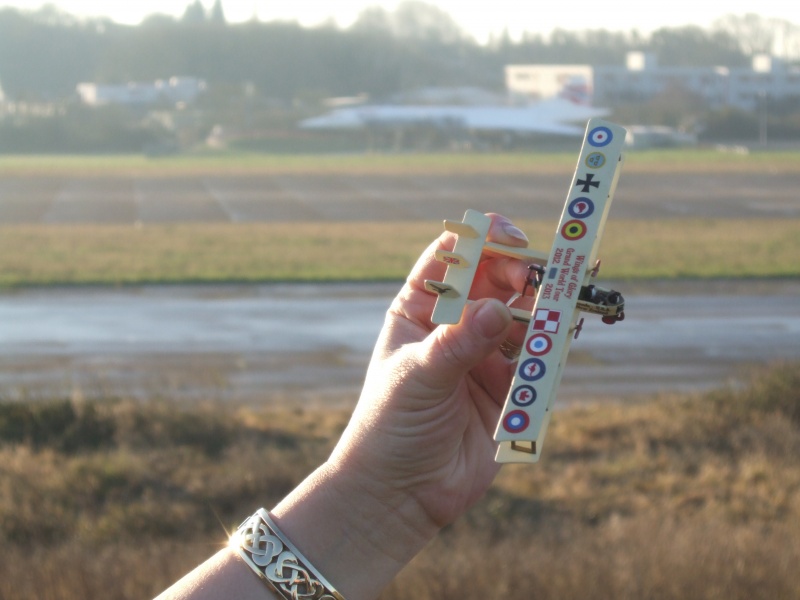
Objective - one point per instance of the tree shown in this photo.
(411, 20)
(194, 13)
(754, 33)
(373, 19)
(217, 15)
(692, 46)
(418, 20)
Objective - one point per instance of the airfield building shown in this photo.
(642, 78)
(175, 90)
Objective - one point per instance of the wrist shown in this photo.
(356, 532)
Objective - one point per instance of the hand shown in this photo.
(418, 450)
(433, 395)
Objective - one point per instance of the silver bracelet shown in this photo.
(277, 562)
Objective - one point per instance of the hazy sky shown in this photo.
(479, 18)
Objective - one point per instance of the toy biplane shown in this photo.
(561, 280)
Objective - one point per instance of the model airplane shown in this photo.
(561, 279)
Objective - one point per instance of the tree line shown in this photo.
(46, 53)
(265, 76)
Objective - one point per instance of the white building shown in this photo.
(540, 82)
(641, 78)
(175, 90)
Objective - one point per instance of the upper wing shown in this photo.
(528, 407)
(462, 263)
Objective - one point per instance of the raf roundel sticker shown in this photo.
(516, 421)
(524, 395)
(532, 369)
(595, 160)
(573, 230)
(538, 344)
(580, 208)
(600, 136)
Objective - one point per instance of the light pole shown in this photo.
(762, 118)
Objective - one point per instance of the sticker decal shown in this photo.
(538, 344)
(524, 395)
(580, 208)
(600, 136)
(595, 160)
(516, 421)
(573, 230)
(588, 183)
(532, 369)
(546, 320)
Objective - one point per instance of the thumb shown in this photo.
(452, 350)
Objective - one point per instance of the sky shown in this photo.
(478, 18)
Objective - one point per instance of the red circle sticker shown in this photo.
(538, 344)
(573, 230)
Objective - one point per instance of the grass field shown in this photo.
(681, 160)
(113, 254)
(664, 498)
(37, 253)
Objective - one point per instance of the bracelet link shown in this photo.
(277, 562)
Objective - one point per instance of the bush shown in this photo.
(59, 425)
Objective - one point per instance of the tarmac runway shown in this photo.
(310, 344)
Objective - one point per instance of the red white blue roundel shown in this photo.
(524, 395)
(532, 369)
(516, 421)
(580, 208)
(600, 136)
(538, 344)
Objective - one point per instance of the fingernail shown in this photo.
(491, 319)
(514, 232)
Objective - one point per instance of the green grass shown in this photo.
(231, 163)
(632, 249)
(669, 497)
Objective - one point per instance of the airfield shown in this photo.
(161, 354)
(289, 198)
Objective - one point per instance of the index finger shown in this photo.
(495, 276)
(501, 231)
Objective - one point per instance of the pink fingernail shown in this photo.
(514, 232)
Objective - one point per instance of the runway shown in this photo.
(349, 197)
(310, 344)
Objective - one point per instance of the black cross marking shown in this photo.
(587, 183)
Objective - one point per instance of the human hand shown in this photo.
(418, 450)
(424, 425)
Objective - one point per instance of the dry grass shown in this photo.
(233, 163)
(670, 497)
(111, 254)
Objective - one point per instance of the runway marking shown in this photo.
(233, 215)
